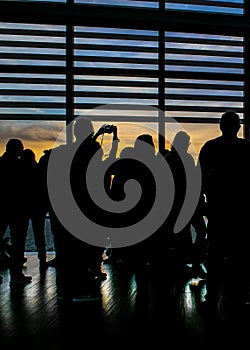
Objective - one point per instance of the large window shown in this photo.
(136, 62)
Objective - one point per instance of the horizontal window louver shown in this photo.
(41, 1)
(211, 6)
(204, 75)
(32, 72)
(119, 3)
(116, 69)
(123, 3)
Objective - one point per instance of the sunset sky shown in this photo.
(41, 135)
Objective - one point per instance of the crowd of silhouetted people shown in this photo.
(23, 200)
(220, 218)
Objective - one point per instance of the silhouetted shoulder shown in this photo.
(229, 148)
(212, 143)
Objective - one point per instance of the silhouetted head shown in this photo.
(83, 128)
(181, 142)
(127, 152)
(146, 138)
(14, 147)
(28, 155)
(230, 123)
(141, 144)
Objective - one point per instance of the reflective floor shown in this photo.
(155, 312)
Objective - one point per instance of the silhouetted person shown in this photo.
(117, 189)
(200, 245)
(123, 171)
(31, 193)
(225, 174)
(141, 253)
(11, 205)
(182, 163)
(132, 165)
(9, 163)
(44, 203)
(78, 262)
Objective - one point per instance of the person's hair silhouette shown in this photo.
(230, 124)
(181, 142)
(14, 147)
(83, 128)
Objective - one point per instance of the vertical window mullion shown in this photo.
(161, 83)
(69, 78)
